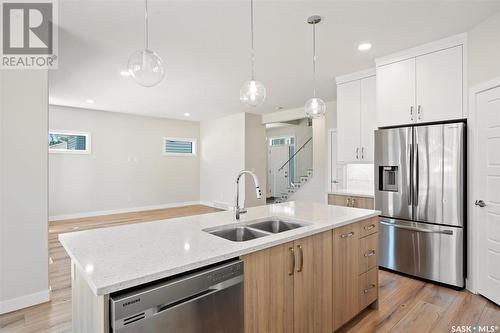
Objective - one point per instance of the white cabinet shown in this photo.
(422, 85)
(439, 85)
(348, 121)
(396, 93)
(368, 117)
(356, 119)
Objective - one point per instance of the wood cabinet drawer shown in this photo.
(368, 251)
(368, 288)
(368, 227)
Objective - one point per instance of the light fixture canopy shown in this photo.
(253, 92)
(146, 66)
(315, 107)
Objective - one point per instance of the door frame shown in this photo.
(331, 131)
(473, 241)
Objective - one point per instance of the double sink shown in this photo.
(254, 229)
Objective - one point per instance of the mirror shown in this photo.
(289, 158)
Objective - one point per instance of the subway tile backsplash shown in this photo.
(359, 177)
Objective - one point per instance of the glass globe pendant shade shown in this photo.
(315, 108)
(146, 67)
(253, 93)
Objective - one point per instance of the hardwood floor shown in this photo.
(406, 305)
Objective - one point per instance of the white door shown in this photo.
(488, 190)
(439, 85)
(333, 179)
(396, 93)
(368, 118)
(348, 120)
(278, 155)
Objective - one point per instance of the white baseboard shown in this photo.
(122, 210)
(24, 301)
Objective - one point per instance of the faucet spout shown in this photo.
(241, 210)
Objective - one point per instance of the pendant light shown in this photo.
(253, 92)
(145, 66)
(314, 107)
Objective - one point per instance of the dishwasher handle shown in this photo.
(189, 299)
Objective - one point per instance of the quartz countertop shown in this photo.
(354, 193)
(116, 258)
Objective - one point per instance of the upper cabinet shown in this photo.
(421, 85)
(356, 117)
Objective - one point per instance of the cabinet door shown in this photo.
(339, 200)
(362, 202)
(268, 290)
(313, 284)
(368, 118)
(440, 85)
(348, 121)
(396, 93)
(345, 274)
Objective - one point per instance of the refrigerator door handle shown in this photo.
(416, 185)
(408, 176)
(445, 232)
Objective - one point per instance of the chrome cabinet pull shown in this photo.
(411, 113)
(349, 234)
(357, 153)
(362, 153)
(370, 253)
(419, 112)
(301, 255)
(353, 202)
(292, 256)
(369, 227)
(348, 200)
(370, 288)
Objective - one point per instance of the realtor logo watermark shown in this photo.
(29, 34)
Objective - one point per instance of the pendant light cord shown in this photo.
(146, 24)
(252, 52)
(314, 59)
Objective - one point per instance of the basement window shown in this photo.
(179, 146)
(69, 142)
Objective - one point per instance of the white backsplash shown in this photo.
(359, 177)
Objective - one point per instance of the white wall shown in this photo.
(484, 51)
(222, 156)
(126, 168)
(255, 158)
(23, 189)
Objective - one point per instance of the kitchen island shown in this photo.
(105, 261)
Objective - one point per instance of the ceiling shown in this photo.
(205, 46)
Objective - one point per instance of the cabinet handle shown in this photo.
(348, 202)
(419, 112)
(370, 253)
(353, 202)
(357, 153)
(411, 112)
(349, 234)
(362, 153)
(292, 256)
(369, 227)
(301, 255)
(370, 288)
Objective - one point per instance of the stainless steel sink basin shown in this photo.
(254, 229)
(275, 225)
(238, 233)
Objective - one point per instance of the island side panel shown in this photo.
(90, 311)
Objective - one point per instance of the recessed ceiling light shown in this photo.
(90, 101)
(187, 114)
(125, 73)
(364, 46)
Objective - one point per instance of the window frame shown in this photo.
(194, 145)
(88, 142)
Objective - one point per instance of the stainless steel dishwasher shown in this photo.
(208, 300)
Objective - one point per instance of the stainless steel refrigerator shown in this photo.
(420, 190)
